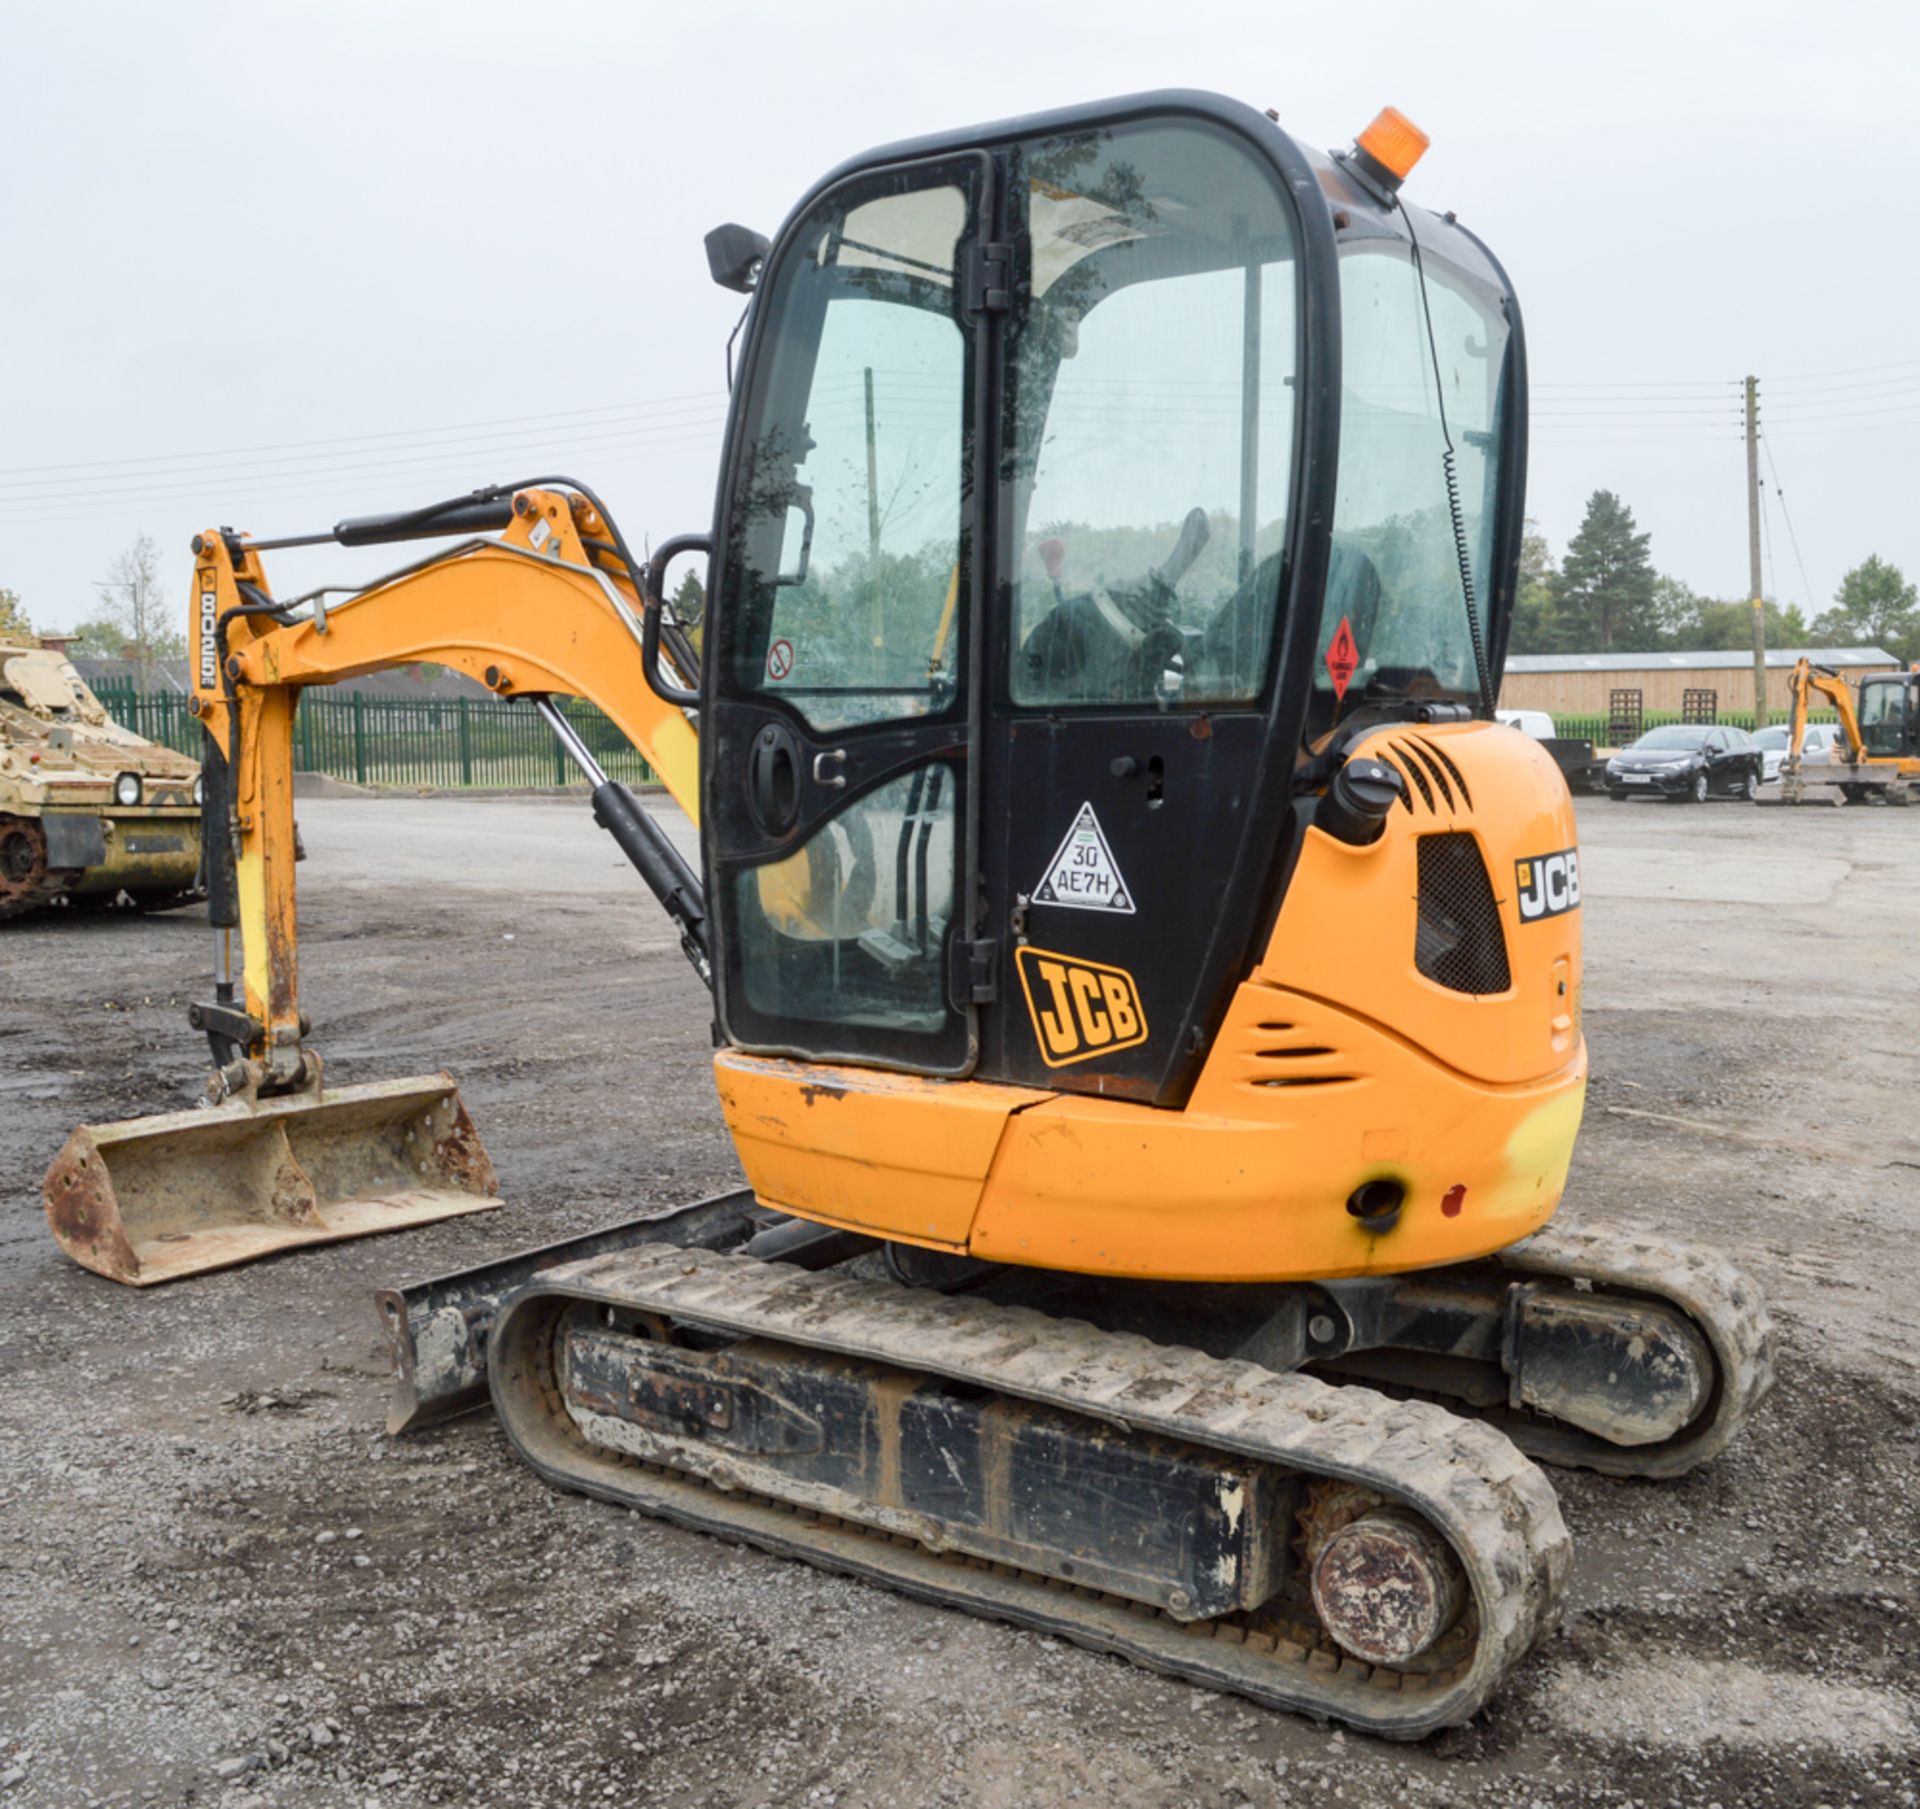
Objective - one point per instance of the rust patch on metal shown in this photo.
(280, 968)
(1385, 1583)
(81, 1212)
(24, 879)
(459, 1154)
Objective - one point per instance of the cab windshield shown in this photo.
(1395, 578)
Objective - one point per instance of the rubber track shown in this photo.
(1491, 1502)
(1723, 1301)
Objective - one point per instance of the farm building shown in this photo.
(1584, 684)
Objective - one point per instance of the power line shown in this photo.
(1711, 383)
(1871, 386)
(1773, 575)
(441, 474)
(1786, 514)
(1796, 431)
(403, 459)
(1851, 371)
(354, 439)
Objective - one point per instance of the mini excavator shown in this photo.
(1879, 752)
(1145, 976)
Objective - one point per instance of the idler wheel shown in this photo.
(1386, 1585)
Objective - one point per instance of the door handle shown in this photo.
(773, 779)
(833, 757)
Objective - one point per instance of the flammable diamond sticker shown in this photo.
(1083, 875)
(1343, 659)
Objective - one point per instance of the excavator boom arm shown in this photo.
(546, 610)
(1809, 678)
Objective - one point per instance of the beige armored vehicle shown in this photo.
(89, 811)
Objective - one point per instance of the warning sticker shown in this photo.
(1083, 873)
(780, 660)
(1343, 659)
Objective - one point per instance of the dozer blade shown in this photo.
(152, 1199)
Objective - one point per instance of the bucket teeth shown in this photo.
(151, 1199)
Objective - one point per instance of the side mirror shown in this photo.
(735, 254)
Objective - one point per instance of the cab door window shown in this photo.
(851, 548)
(1883, 718)
(834, 824)
(1149, 419)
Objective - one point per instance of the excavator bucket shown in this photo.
(151, 1199)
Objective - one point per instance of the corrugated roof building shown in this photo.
(1583, 684)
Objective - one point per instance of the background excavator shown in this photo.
(1145, 978)
(1879, 751)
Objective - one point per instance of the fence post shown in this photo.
(559, 756)
(466, 743)
(359, 739)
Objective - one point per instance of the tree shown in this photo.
(13, 613)
(133, 605)
(1875, 606)
(1605, 596)
(1728, 627)
(98, 639)
(1533, 599)
(1697, 624)
(1676, 612)
(689, 602)
(689, 599)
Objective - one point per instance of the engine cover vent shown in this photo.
(1458, 942)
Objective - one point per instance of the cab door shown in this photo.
(1139, 739)
(840, 708)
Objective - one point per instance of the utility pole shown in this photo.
(1753, 555)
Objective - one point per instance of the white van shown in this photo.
(1536, 723)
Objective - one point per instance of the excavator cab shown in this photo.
(1890, 715)
(1083, 480)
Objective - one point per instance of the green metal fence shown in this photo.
(488, 743)
(443, 742)
(1594, 728)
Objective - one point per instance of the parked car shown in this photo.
(1816, 749)
(1688, 760)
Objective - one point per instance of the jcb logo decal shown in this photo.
(1080, 1009)
(1549, 884)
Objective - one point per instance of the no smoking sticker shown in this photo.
(1083, 874)
(780, 659)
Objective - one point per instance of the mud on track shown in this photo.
(223, 1585)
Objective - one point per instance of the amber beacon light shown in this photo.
(1393, 144)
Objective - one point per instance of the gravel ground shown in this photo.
(223, 1586)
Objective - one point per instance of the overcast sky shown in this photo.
(272, 264)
